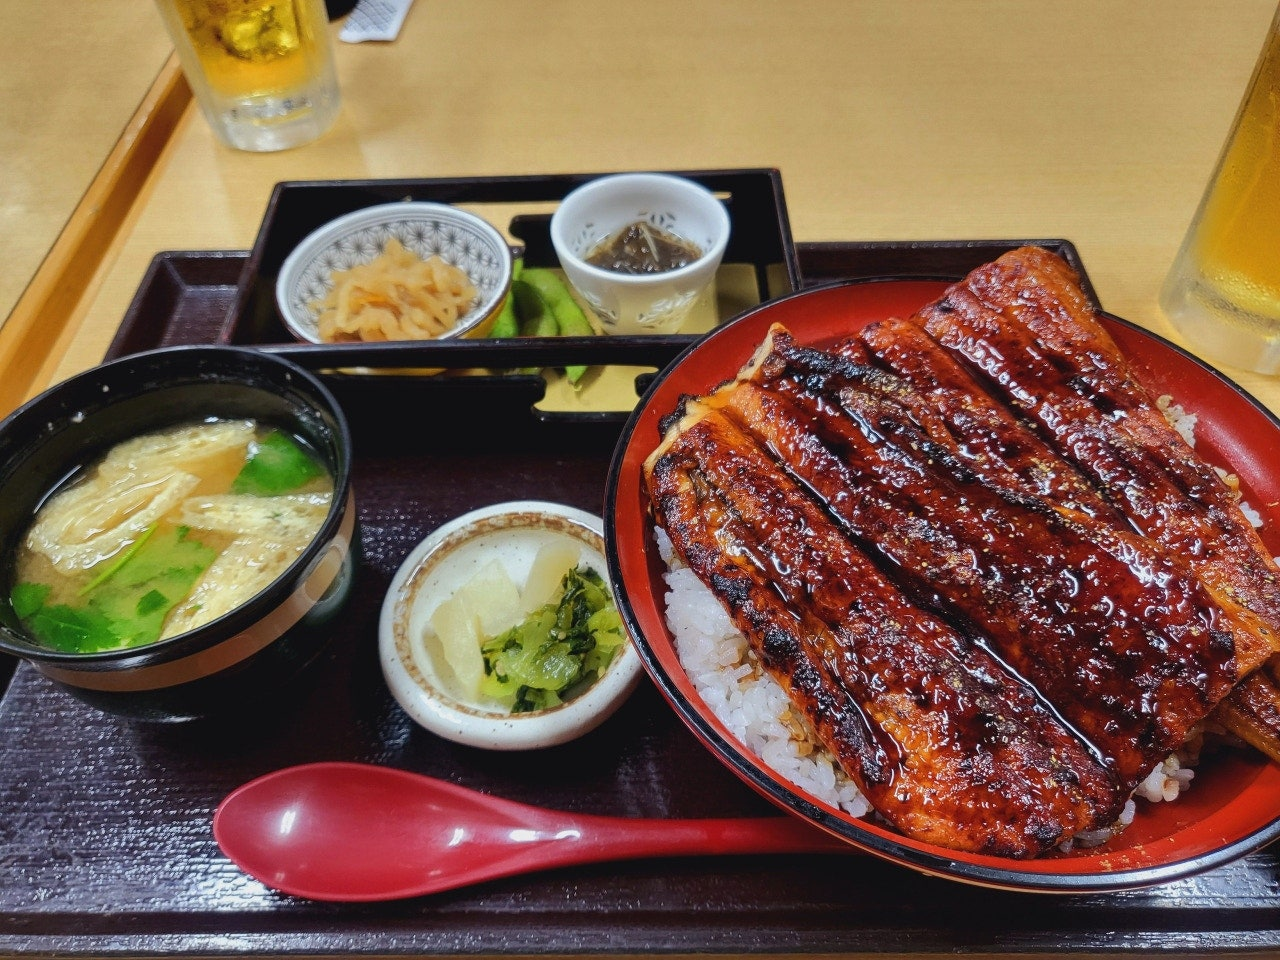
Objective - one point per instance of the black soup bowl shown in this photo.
(239, 662)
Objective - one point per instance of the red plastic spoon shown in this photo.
(356, 832)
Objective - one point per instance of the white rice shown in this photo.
(742, 696)
(1185, 423)
(1166, 781)
(1179, 418)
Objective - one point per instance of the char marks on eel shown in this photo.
(974, 623)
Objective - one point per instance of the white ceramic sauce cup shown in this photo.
(647, 302)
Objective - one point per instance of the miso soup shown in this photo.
(167, 532)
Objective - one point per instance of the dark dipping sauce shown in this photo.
(641, 247)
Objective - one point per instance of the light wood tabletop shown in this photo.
(1093, 121)
(68, 95)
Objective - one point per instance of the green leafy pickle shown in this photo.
(558, 649)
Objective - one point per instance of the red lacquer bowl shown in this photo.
(1233, 804)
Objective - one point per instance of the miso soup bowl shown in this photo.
(241, 661)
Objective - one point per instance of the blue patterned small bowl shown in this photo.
(460, 238)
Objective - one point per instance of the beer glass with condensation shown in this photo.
(1223, 292)
(261, 70)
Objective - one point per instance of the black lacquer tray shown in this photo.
(105, 846)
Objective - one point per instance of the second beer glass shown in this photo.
(1223, 292)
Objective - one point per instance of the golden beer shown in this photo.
(1223, 292)
(261, 70)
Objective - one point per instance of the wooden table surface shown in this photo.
(1095, 121)
(69, 82)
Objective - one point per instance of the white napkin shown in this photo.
(375, 20)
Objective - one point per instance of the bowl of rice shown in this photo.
(1198, 808)
(394, 272)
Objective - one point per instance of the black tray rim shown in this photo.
(535, 188)
(375, 932)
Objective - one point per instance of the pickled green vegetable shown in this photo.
(558, 650)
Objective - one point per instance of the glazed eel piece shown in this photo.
(1128, 645)
(976, 427)
(1024, 325)
(957, 410)
(945, 744)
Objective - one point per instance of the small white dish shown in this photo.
(461, 239)
(648, 302)
(512, 534)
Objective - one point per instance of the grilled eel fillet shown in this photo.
(1099, 627)
(1073, 411)
(944, 743)
(958, 413)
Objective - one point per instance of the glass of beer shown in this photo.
(1223, 291)
(261, 70)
